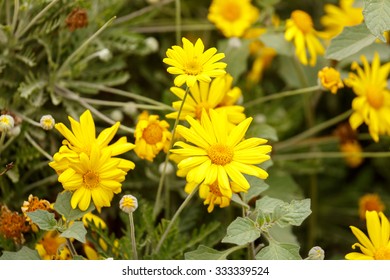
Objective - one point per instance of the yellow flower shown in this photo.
(232, 17)
(151, 136)
(211, 194)
(52, 246)
(83, 137)
(216, 95)
(192, 64)
(375, 246)
(336, 18)
(97, 177)
(352, 150)
(372, 104)
(299, 28)
(330, 79)
(96, 220)
(217, 154)
(370, 202)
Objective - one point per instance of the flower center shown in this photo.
(91, 179)
(152, 134)
(382, 254)
(375, 97)
(302, 20)
(193, 67)
(231, 11)
(214, 189)
(220, 154)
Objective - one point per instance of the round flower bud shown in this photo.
(130, 109)
(316, 253)
(15, 131)
(152, 44)
(47, 122)
(128, 203)
(234, 42)
(168, 170)
(117, 115)
(104, 55)
(6, 122)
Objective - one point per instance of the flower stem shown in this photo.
(280, 95)
(172, 222)
(37, 147)
(2, 138)
(132, 237)
(312, 155)
(72, 250)
(162, 178)
(178, 21)
(311, 131)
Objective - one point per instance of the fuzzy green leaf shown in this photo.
(377, 17)
(277, 251)
(257, 187)
(63, 207)
(206, 253)
(350, 41)
(278, 42)
(23, 254)
(236, 56)
(76, 231)
(43, 219)
(241, 231)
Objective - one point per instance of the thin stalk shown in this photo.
(72, 250)
(172, 222)
(132, 237)
(317, 155)
(120, 92)
(141, 12)
(311, 131)
(162, 178)
(172, 28)
(280, 95)
(37, 147)
(121, 104)
(77, 52)
(178, 20)
(19, 32)
(15, 17)
(2, 138)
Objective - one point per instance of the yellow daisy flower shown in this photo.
(217, 154)
(336, 18)
(97, 177)
(375, 246)
(299, 28)
(216, 95)
(211, 194)
(192, 64)
(52, 246)
(81, 139)
(151, 136)
(232, 17)
(370, 202)
(372, 104)
(330, 79)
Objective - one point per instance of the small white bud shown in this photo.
(152, 44)
(234, 42)
(168, 170)
(117, 115)
(316, 253)
(128, 203)
(47, 122)
(104, 55)
(260, 118)
(6, 123)
(130, 109)
(15, 131)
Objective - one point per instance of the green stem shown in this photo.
(72, 250)
(81, 48)
(132, 237)
(172, 222)
(73, 96)
(280, 95)
(2, 137)
(37, 147)
(121, 104)
(178, 21)
(314, 208)
(172, 28)
(19, 33)
(15, 17)
(311, 131)
(315, 155)
(119, 92)
(162, 178)
(141, 12)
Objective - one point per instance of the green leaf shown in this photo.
(23, 254)
(241, 231)
(236, 56)
(268, 204)
(43, 219)
(262, 130)
(278, 42)
(257, 187)
(206, 253)
(76, 231)
(350, 41)
(63, 207)
(295, 212)
(377, 17)
(281, 251)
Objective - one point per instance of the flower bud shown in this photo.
(316, 253)
(128, 203)
(47, 122)
(6, 123)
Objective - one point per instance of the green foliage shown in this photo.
(24, 253)
(241, 231)
(377, 17)
(43, 219)
(279, 251)
(63, 207)
(76, 230)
